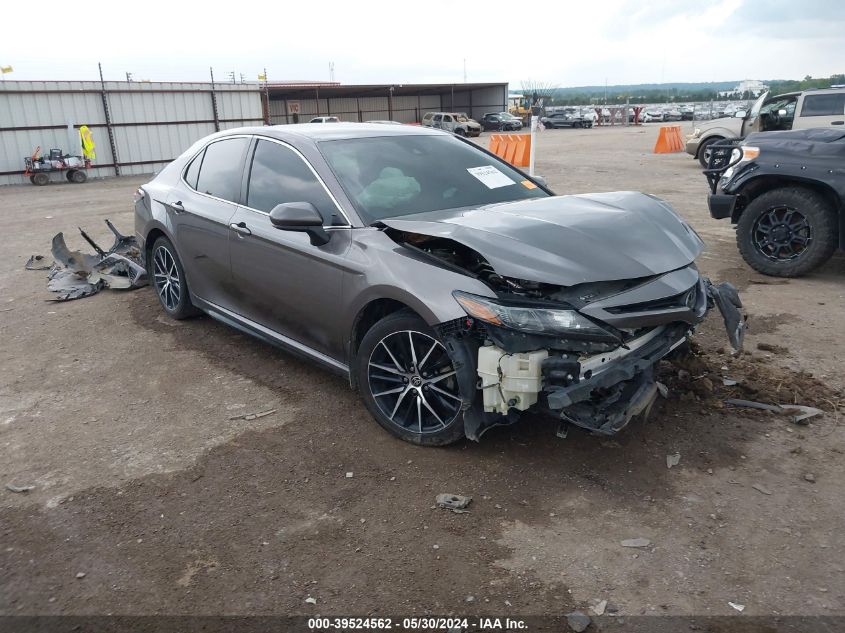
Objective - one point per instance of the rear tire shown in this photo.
(40, 179)
(168, 279)
(411, 392)
(78, 176)
(787, 232)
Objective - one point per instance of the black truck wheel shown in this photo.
(78, 176)
(787, 232)
(40, 179)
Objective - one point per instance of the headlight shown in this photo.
(530, 319)
(749, 153)
(696, 132)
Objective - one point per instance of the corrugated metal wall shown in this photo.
(152, 123)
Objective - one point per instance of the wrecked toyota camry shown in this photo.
(453, 290)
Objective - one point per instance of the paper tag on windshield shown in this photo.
(490, 176)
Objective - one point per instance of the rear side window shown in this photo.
(193, 170)
(279, 175)
(220, 173)
(823, 105)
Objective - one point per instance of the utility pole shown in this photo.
(214, 102)
(465, 69)
(331, 72)
(128, 77)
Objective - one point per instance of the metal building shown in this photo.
(405, 103)
(138, 127)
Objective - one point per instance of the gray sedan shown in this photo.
(454, 291)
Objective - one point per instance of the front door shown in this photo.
(283, 282)
(200, 209)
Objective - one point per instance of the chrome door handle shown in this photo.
(240, 228)
(177, 207)
(837, 122)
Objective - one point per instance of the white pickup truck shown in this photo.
(792, 111)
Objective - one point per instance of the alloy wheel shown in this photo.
(413, 382)
(166, 278)
(782, 233)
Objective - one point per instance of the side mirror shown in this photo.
(740, 114)
(300, 216)
(540, 180)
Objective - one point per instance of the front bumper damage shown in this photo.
(598, 391)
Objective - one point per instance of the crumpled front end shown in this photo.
(594, 366)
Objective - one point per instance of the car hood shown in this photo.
(567, 240)
(732, 124)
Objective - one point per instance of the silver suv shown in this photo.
(791, 111)
(457, 122)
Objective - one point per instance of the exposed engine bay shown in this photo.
(584, 353)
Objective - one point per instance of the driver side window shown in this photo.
(278, 175)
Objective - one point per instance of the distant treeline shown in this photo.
(679, 92)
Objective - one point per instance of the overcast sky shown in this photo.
(562, 43)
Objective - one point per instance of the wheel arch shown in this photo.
(762, 183)
(711, 138)
(370, 314)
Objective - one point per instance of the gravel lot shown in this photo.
(122, 420)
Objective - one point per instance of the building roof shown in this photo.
(309, 91)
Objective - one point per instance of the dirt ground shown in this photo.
(122, 420)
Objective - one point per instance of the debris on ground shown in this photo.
(810, 477)
(599, 607)
(804, 413)
(755, 381)
(802, 416)
(738, 607)
(80, 575)
(350, 475)
(19, 489)
(578, 621)
(38, 262)
(636, 542)
(311, 600)
(673, 460)
(662, 389)
(455, 503)
(750, 404)
(761, 489)
(253, 416)
(75, 274)
(774, 349)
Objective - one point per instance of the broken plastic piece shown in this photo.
(38, 262)
(81, 275)
(455, 503)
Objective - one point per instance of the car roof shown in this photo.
(337, 131)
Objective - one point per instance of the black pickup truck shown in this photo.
(785, 192)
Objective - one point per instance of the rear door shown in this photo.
(285, 283)
(200, 210)
(820, 110)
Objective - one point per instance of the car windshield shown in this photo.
(461, 118)
(506, 115)
(406, 174)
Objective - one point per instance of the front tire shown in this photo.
(408, 382)
(787, 232)
(704, 152)
(169, 281)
